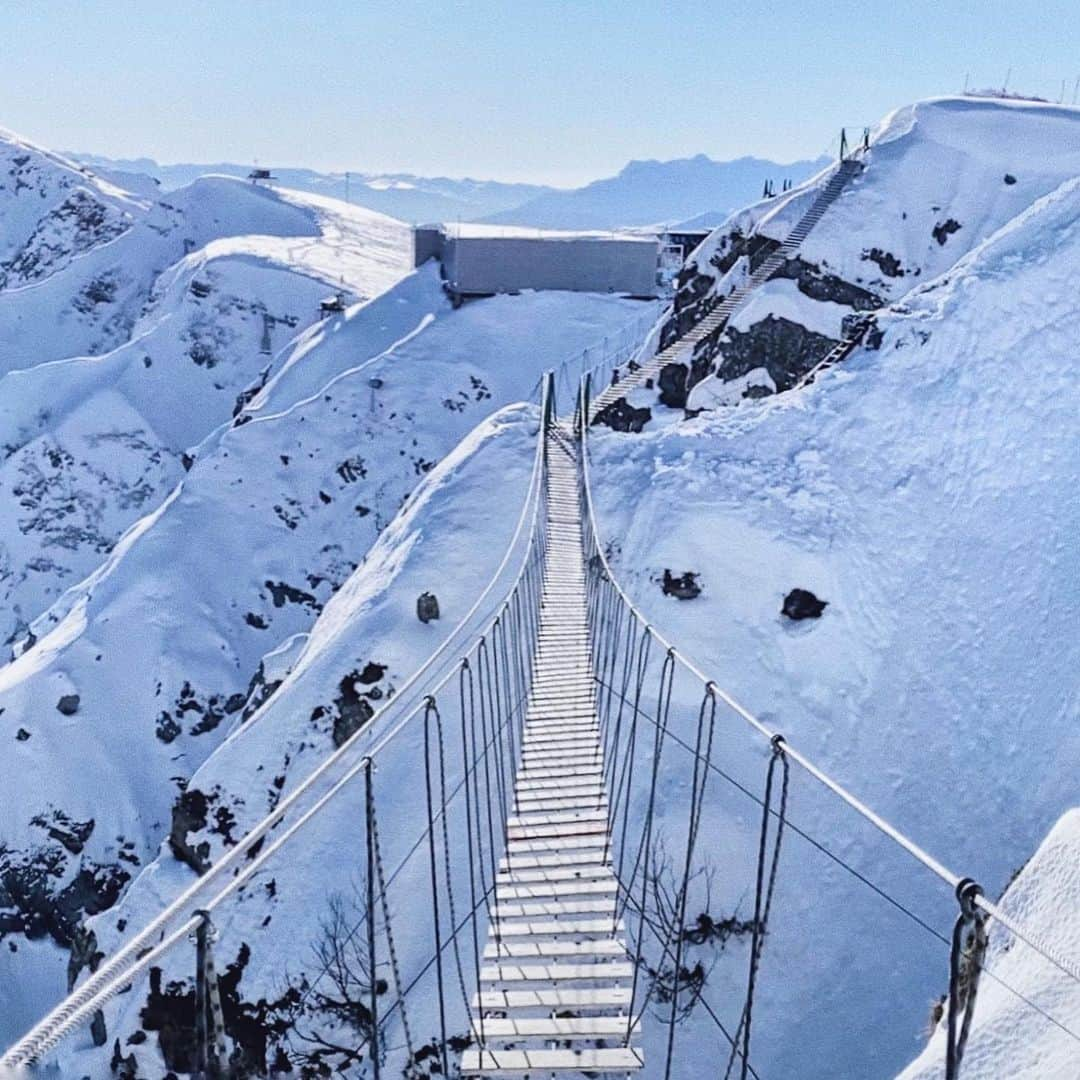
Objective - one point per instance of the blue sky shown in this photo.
(543, 90)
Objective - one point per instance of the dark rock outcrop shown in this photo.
(815, 283)
(944, 229)
(189, 814)
(682, 586)
(352, 711)
(888, 263)
(620, 415)
(786, 349)
(803, 604)
(68, 704)
(427, 607)
(672, 385)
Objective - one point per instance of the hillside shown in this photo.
(189, 501)
(941, 176)
(924, 490)
(262, 604)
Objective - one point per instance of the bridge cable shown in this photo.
(697, 798)
(469, 839)
(665, 944)
(663, 705)
(932, 931)
(429, 709)
(763, 899)
(395, 968)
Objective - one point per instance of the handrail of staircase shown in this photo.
(112, 976)
(952, 879)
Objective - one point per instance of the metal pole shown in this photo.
(202, 1039)
(369, 815)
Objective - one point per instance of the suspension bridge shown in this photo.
(530, 907)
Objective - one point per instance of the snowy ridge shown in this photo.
(940, 685)
(941, 176)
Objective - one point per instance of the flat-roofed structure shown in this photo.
(481, 260)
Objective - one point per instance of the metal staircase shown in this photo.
(682, 350)
(555, 996)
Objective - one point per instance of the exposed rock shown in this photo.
(672, 384)
(33, 903)
(66, 831)
(372, 673)
(353, 711)
(283, 593)
(1010, 179)
(22, 734)
(620, 415)
(166, 728)
(944, 229)
(427, 607)
(888, 263)
(803, 604)
(683, 586)
(188, 816)
(250, 1026)
(815, 283)
(256, 621)
(260, 689)
(68, 704)
(786, 349)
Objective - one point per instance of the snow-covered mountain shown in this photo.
(404, 196)
(643, 193)
(942, 175)
(657, 192)
(265, 598)
(184, 504)
(926, 490)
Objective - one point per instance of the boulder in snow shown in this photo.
(683, 587)
(68, 704)
(427, 607)
(803, 604)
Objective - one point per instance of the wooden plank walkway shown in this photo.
(555, 994)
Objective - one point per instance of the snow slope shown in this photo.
(926, 491)
(80, 258)
(941, 176)
(91, 443)
(1007, 1038)
(289, 498)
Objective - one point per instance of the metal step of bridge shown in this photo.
(555, 996)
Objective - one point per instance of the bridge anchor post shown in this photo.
(211, 1054)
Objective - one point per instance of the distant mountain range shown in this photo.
(401, 195)
(651, 192)
(643, 193)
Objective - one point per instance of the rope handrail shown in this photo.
(952, 879)
(139, 951)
